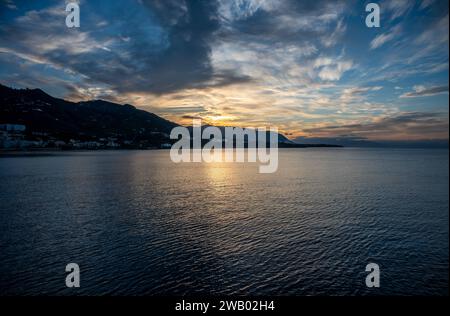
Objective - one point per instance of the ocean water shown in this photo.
(138, 224)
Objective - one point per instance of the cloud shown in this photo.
(422, 91)
(407, 125)
(383, 38)
(426, 3)
(160, 46)
(299, 65)
(8, 4)
(336, 35)
(331, 69)
(356, 93)
(166, 46)
(397, 8)
(419, 48)
(282, 21)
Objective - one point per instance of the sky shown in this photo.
(313, 69)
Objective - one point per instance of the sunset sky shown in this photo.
(310, 68)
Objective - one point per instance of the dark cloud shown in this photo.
(191, 117)
(185, 63)
(418, 125)
(288, 21)
(423, 92)
(186, 109)
(158, 47)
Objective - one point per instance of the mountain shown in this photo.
(42, 113)
(283, 141)
(53, 122)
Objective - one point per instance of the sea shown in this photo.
(137, 223)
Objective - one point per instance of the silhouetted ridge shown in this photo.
(90, 120)
(98, 123)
